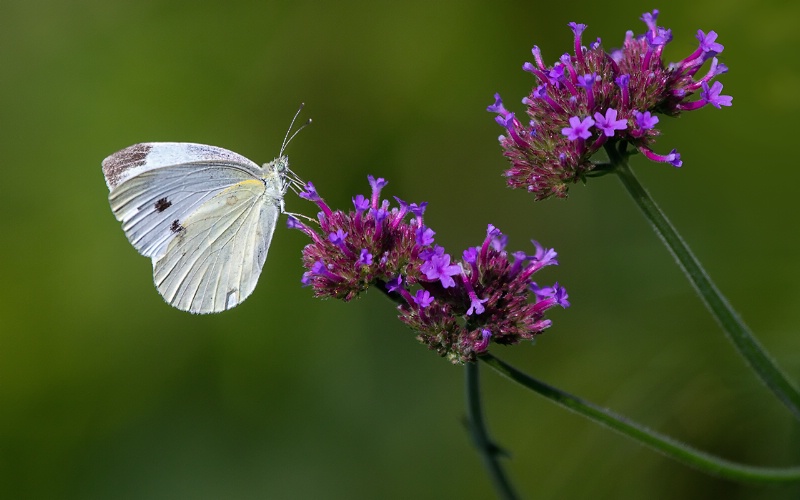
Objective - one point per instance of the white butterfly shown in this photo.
(205, 215)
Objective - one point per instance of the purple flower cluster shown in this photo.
(595, 99)
(456, 306)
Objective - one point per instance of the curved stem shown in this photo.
(489, 451)
(735, 329)
(700, 460)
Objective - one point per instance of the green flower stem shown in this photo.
(489, 451)
(674, 449)
(735, 329)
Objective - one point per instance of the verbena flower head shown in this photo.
(457, 305)
(593, 99)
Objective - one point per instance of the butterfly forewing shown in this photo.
(151, 196)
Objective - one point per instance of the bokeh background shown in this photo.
(107, 392)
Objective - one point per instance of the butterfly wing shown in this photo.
(216, 257)
(155, 186)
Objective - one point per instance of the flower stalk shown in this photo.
(489, 451)
(736, 330)
(672, 448)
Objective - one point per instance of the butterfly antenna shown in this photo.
(287, 139)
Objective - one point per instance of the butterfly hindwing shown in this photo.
(216, 257)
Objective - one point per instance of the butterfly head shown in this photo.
(279, 166)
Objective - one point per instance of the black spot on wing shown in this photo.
(163, 204)
(176, 226)
(115, 165)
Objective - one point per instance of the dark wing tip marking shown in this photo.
(162, 204)
(115, 165)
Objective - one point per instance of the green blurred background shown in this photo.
(107, 392)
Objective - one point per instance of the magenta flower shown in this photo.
(457, 308)
(594, 99)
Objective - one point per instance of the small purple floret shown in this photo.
(470, 255)
(475, 305)
(645, 121)
(713, 97)
(497, 107)
(395, 283)
(423, 298)
(578, 129)
(418, 209)
(708, 43)
(609, 124)
(338, 237)
(545, 256)
(364, 258)
(561, 296)
(438, 267)
(483, 343)
(310, 192)
(360, 203)
(424, 236)
(293, 223)
(377, 185)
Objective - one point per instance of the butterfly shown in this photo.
(204, 214)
